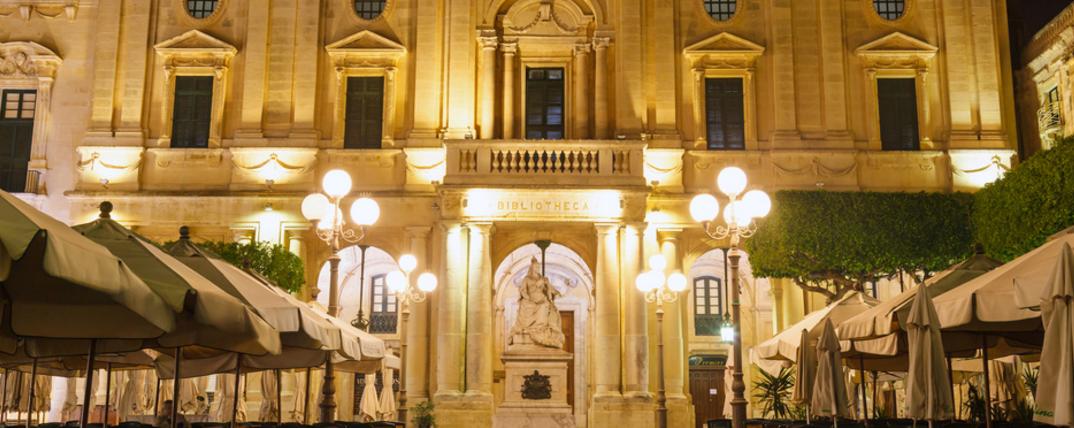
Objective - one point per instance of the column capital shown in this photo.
(509, 47)
(417, 231)
(482, 227)
(581, 49)
(601, 43)
(668, 234)
(605, 229)
(488, 42)
(449, 225)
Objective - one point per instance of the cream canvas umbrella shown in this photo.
(829, 390)
(369, 407)
(805, 373)
(1055, 388)
(387, 406)
(928, 388)
(784, 346)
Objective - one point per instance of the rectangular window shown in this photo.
(365, 113)
(544, 104)
(708, 306)
(897, 99)
(16, 137)
(1052, 96)
(192, 114)
(383, 318)
(724, 114)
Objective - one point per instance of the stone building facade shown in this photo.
(1044, 84)
(481, 127)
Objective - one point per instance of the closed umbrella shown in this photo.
(1055, 387)
(369, 407)
(806, 373)
(928, 388)
(387, 395)
(829, 390)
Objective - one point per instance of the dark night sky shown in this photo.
(1025, 18)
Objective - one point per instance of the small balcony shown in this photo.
(382, 322)
(1049, 118)
(583, 163)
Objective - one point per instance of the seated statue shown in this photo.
(538, 319)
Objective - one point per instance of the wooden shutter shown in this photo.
(724, 114)
(365, 113)
(544, 104)
(16, 137)
(898, 113)
(192, 113)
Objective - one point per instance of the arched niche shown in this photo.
(356, 285)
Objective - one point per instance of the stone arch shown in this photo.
(578, 237)
(573, 278)
(355, 285)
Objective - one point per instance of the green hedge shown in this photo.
(831, 242)
(1033, 201)
(273, 261)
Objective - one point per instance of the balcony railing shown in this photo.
(1049, 118)
(707, 325)
(550, 162)
(382, 323)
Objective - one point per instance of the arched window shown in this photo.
(721, 10)
(708, 305)
(369, 9)
(201, 8)
(383, 319)
(890, 9)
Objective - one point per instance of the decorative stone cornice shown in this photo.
(43, 8)
(724, 50)
(896, 50)
(365, 48)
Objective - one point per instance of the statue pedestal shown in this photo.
(535, 388)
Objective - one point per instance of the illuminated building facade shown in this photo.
(481, 127)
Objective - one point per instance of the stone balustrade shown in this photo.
(513, 162)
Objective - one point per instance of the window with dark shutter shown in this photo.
(898, 113)
(365, 113)
(708, 306)
(192, 114)
(724, 114)
(16, 137)
(383, 319)
(544, 104)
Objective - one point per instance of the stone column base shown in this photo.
(469, 410)
(680, 412)
(621, 412)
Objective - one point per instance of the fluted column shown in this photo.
(479, 358)
(417, 359)
(450, 333)
(600, 87)
(581, 91)
(607, 378)
(674, 358)
(509, 49)
(487, 85)
(636, 348)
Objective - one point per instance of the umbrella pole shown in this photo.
(235, 399)
(306, 403)
(864, 404)
(156, 400)
(175, 388)
(951, 380)
(987, 386)
(30, 402)
(3, 406)
(876, 398)
(279, 397)
(87, 391)
(107, 390)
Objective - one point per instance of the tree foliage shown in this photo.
(273, 261)
(834, 242)
(1030, 203)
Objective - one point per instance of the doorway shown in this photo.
(707, 388)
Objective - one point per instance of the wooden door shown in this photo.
(707, 389)
(567, 319)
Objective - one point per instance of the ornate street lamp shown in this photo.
(738, 215)
(405, 293)
(323, 210)
(660, 288)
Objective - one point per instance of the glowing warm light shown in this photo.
(727, 333)
(329, 221)
(677, 282)
(757, 203)
(337, 183)
(427, 282)
(645, 282)
(731, 181)
(272, 171)
(396, 281)
(736, 214)
(407, 262)
(704, 207)
(315, 206)
(657, 262)
(365, 211)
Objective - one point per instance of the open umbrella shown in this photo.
(784, 346)
(928, 388)
(829, 390)
(1055, 388)
(805, 373)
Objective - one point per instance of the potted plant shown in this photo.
(774, 391)
(423, 414)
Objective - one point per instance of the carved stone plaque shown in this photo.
(536, 387)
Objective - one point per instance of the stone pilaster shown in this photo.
(607, 377)
(307, 49)
(487, 85)
(680, 410)
(417, 359)
(253, 73)
(105, 66)
(451, 325)
(635, 315)
(600, 87)
(581, 91)
(134, 44)
(479, 317)
(509, 50)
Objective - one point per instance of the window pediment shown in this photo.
(365, 47)
(896, 50)
(546, 18)
(27, 60)
(724, 50)
(196, 48)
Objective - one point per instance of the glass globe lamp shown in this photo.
(336, 183)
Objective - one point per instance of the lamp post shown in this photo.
(405, 293)
(323, 210)
(659, 288)
(741, 210)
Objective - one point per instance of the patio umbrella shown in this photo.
(805, 373)
(1055, 388)
(387, 395)
(829, 390)
(784, 346)
(369, 407)
(928, 387)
